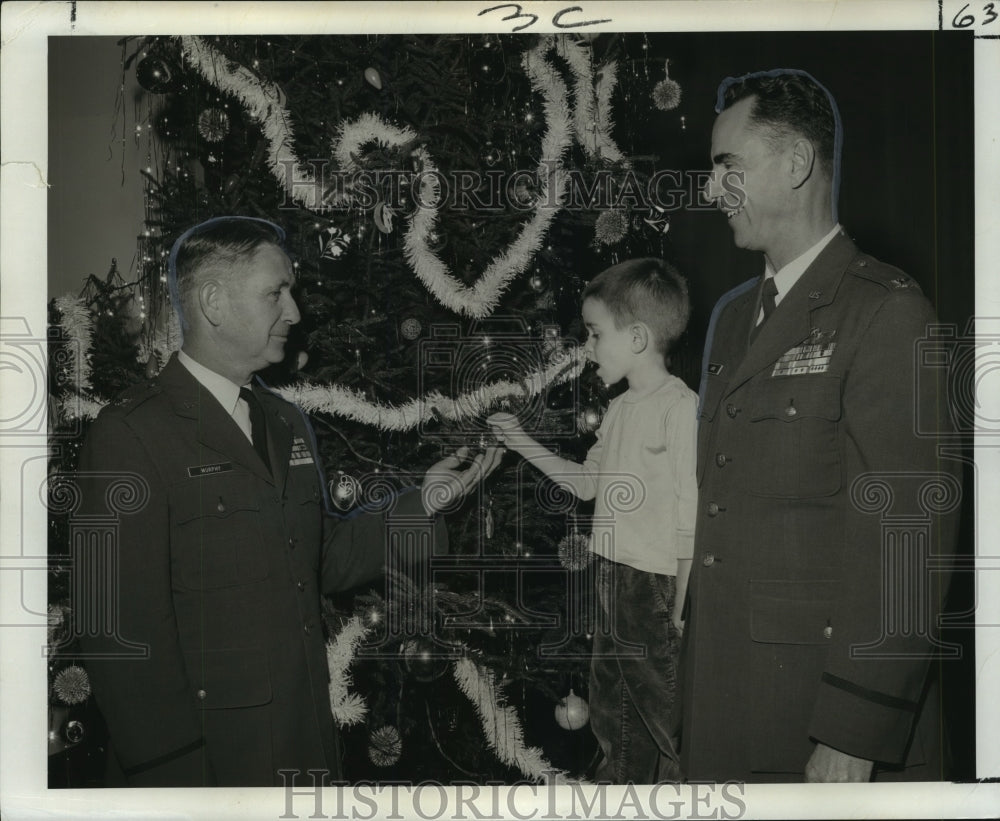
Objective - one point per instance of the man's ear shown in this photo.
(640, 337)
(803, 159)
(211, 300)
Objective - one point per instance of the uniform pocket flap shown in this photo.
(219, 497)
(792, 612)
(236, 677)
(790, 398)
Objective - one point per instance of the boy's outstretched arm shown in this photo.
(581, 480)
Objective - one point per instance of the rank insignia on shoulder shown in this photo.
(714, 368)
(301, 455)
(900, 282)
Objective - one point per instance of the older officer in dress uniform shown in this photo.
(221, 570)
(808, 389)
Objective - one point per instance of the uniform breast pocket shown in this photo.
(216, 537)
(794, 436)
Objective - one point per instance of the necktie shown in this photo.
(768, 293)
(258, 427)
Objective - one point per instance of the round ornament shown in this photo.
(72, 685)
(411, 328)
(74, 732)
(572, 712)
(588, 419)
(154, 74)
(488, 64)
(611, 227)
(667, 95)
(385, 746)
(491, 154)
(574, 552)
(344, 491)
(423, 660)
(213, 124)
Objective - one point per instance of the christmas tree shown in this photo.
(445, 198)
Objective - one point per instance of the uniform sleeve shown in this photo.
(124, 607)
(879, 656)
(681, 436)
(358, 547)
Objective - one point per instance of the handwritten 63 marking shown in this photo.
(520, 14)
(962, 20)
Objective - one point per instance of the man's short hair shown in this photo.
(786, 102)
(220, 245)
(644, 290)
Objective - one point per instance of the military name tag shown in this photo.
(812, 357)
(301, 455)
(209, 470)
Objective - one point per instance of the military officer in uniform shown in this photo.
(221, 564)
(792, 665)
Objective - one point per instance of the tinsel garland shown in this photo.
(78, 328)
(351, 404)
(263, 100)
(501, 726)
(482, 298)
(163, 339)
(592, 101)
(347, 708)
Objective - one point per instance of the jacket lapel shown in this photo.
(279, 434)
(791, 324)
(216, 429)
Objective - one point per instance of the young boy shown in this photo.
(641, 472)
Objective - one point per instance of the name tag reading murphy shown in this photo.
(812, 357)
(209, 470)
(301, 455)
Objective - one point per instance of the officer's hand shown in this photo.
(445, 483)
(829, 765)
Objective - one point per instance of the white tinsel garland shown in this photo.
(347, 708)
(592, 101)
(78, 327)
(263, 100)
(163, 338)
(501, 726)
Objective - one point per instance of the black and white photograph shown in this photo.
(496, 410)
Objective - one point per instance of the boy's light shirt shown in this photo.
(641, 471)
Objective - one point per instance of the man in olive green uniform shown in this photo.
(223, 545)
(793, 666)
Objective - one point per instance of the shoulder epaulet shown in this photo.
(133, 396)
(881, 273)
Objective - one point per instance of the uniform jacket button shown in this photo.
(306, 629)
(827, 632)
(721, 459)
(732, 410)
(708, 560)
(291, 543)
(202, 695)
(301, 585)
(712, 509)
(790, 410)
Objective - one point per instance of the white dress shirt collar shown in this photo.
(792, 271)
(224, 390)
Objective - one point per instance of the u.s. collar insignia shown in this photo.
(714, 368)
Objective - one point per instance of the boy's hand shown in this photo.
(508, 430)
(678, 622)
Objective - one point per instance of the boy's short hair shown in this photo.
(221, 243)
(645, 290)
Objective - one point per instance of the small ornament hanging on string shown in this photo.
(383, 216)
(574, 552)
(333, 242)
(611, 227)
(411, 328)
(385, 746)
(572, 712)
(658, 219)
(423, 660)
(491, 155)
(72, 685)
(667, 92)
(343, 491)
(213, 125)
(588, 419)
(488, 519)
(537, 282)
(154, 74)
(373, 78)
